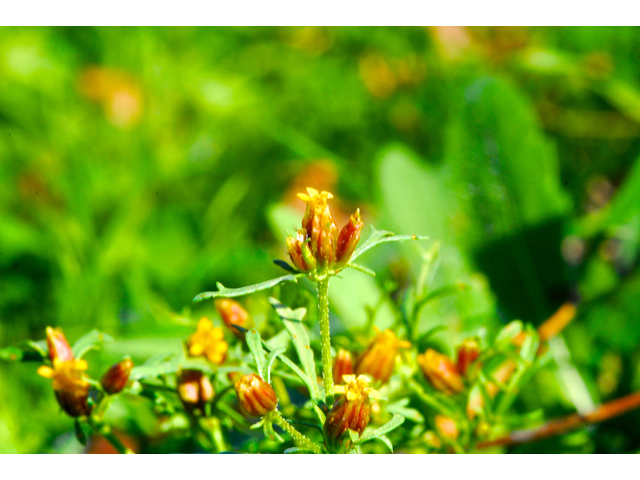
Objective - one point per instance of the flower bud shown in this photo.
(256, 396)
(195, 390)
(117, 376)
(468, 352)
(502, 374)
(441, 372)
(348, 239)
(446, 427)
(300, 253)
(380, 357)
(58, 346)
(208, 341)
(351, 410)
(343, 365)
(232, 313)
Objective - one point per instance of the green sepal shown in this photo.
(509, 332)
(378, 237)
(239, 292)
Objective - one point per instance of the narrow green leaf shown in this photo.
(361, 268)
(270, 359)
(92, 340)
(378, 237)
(254, 343)
(238, 292)
(168, 367)
(292, 320)
(401, 409)
(391, 425)
(386, 441)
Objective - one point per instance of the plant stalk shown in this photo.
(107, 433)
(323, 319)
(295, 434)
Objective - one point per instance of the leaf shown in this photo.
(285, 266)
(168, 367)
(254, 342)
(361, 268)
(391, 425)
(238, 292)
(292, 320)
(386, 441)
(407, 412)
(378, 237)
(28, 351)
(270, 359)
(92, 340)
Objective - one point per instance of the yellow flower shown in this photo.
(70, 385)
(380, 358)
(208, 341)
(351, 410)
(317, 244)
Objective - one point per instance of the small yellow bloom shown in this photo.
(356, 388)
(208, 341)
(70, 385)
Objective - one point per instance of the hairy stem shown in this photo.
(323, 318)
(295, 434)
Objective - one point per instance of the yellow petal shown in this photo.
(339, 389)
(349, 378)
(312, 191)
(45, 371)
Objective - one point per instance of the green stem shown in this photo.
(295, 434)
(215, 430)
(106, 432)
(323, 318)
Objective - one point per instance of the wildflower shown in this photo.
(69, 384)
(351, 410)
(317, 244)
(468, 352)
(441, 372)
(69, 381)
(115, 379)
(256, 396)
(232, 313)
(208, 341)
(194, 389)
(380, 357)
(343, 365)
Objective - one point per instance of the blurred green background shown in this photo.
(138, 166)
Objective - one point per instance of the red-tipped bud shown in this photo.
(256, 396)
(343, 365)
(195, 390)
(232, 313)
(58, 346)
(115, 379)
(379, 359)
(351, 410)
(300, 253)
(446, 427)
(441, 372)
(468, 352)
(348, 239)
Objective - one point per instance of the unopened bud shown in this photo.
(115, 379)
(351, 410)
(502, 374)
(195, 390)
(379, 359)
(256, 397)
(58, 346)
(441, 372)
(70, 385)
(446, 427)
(343, 365)
(348, 239)
(232, 314)
(468, 352)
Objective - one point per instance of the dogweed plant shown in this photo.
(388, 385)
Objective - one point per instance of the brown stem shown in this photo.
(570, 422)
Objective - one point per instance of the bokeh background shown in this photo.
(138, 166)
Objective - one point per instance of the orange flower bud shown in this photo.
(343, 365)
(379, 358)
(441, 372)
(558, 321)
(58, 346)
(195, 390)
(256, 396)
(349, 238)
(208, 341)
(316, 244)
(502, 374)
(117, 376)
(351, 410)
(447, 427)
(232, 313)
(468, 351)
